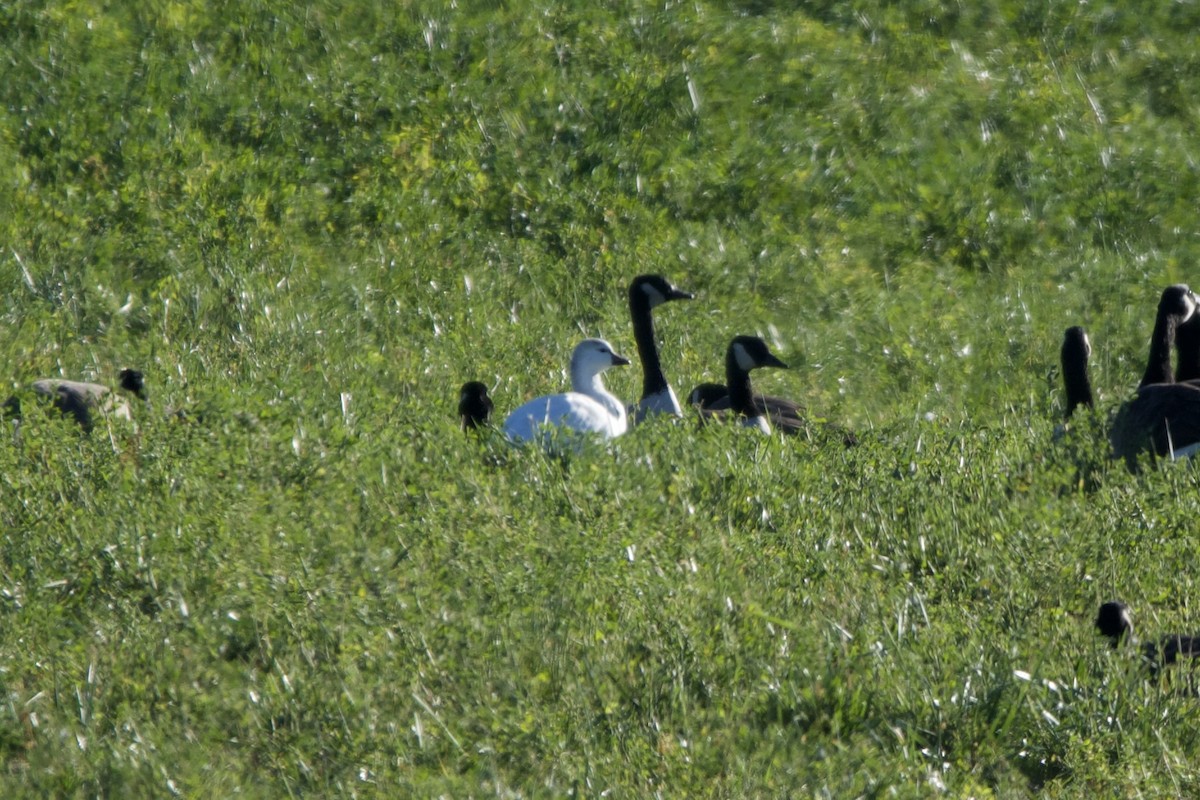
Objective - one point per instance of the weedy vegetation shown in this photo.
(308, 224)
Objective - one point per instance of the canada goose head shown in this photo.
(474, 405)
(1113, 621)
(1177, 301)
(656, 290)
(131, 380)
(706, 394)
(751, 352)
(1076, 349)
(593, 356)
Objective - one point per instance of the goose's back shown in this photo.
(571, 410)
(80, 399)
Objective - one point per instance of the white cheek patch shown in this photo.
(743, 358)
(656, 297)
(1190, 302)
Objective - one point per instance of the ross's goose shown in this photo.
(587, 408)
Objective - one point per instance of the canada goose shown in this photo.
(1175, 307)
(784, 414)
(1113, 621)
(645, 293)
(81, 400)
(1163, 415)
(1076, 349)
(587, 408)
(744, 354)
(474, 405)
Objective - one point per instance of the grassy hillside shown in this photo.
(309, 225)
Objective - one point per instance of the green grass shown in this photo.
(310, 225)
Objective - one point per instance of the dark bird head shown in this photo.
(474, 405)
(1113, 621)
(1076, 349)
(1177, 301)
(132, 381)
(654, 290)
(751, 352)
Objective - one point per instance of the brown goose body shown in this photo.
(82, 401)
(785, 415)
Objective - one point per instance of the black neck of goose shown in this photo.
(1158, 369)
(1079, 387)
(741, 396)
(1187, 348)
(653, 380)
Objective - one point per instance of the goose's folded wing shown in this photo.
(570, 410)
(1165, 416)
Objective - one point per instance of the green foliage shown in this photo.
(309, 225)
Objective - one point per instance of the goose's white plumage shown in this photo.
(589, 408)
(663, 401)
(758, 423)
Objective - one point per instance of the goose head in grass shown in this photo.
(1113, 621)
(474, 406)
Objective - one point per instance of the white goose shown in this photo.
(588, 408)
